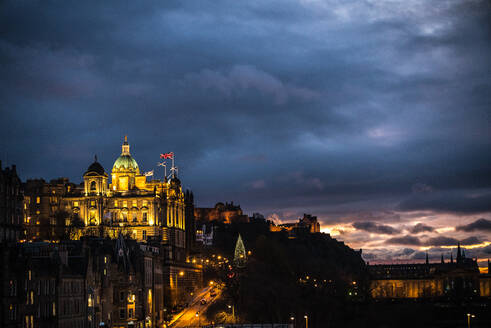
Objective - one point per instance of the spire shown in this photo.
(489, 267)
(451, 257)
(459, 253)
(122, 253)
(442, 259)
(125, 148)
(95, 158)
(427, 260)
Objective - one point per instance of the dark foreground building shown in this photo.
(91, 282)
(11, 205)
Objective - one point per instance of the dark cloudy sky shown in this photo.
(373, 115)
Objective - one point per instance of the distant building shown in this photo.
(204, 236)
(11, 205)
(226, 213)
(308, 224)
(485, 282)
(454, 279)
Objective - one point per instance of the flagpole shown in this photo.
(173, 167)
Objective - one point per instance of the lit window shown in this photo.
(75, 204)
(134, 203)
(125, 204)
(38, 200)
(115, 202)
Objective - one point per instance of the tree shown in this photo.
(240, 256)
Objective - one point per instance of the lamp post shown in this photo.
(233, 311)
(197, 316)
(292, 319)
(181, 273)
(306, 321)
(469, 316)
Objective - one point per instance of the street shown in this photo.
(187, 317)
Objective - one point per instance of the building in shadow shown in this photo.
(11, 205)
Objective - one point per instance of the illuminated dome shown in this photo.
(125, 162)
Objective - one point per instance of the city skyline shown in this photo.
(372, 116)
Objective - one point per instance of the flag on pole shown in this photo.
(149, 173)
(162, 164)
(167, 155)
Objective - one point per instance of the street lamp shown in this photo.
(306, 321)
(292, 319)
(197, 316)
(233, 311)
(181, 273)
(469, 316)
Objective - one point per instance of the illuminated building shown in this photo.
(155, 213)
(454, 279)
(226, 213)
(308, 224)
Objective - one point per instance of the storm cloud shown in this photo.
(421, 227)
(368, 114)
(478, 225)
(375, 228)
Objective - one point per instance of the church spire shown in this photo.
(442, 259)
(451, 257)
(459, 253)
(427, 260)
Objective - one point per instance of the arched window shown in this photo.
(93, 186)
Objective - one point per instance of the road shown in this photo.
(187, 317)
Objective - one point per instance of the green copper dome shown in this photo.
(125, 162)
